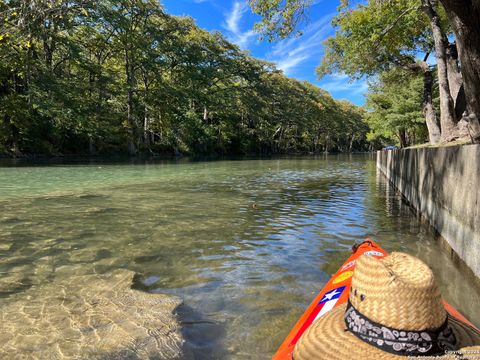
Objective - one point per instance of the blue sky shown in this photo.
(297, 57)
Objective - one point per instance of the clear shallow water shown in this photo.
(247, 244)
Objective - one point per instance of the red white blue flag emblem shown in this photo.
(329, 300)
(327, 303)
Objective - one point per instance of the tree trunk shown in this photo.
(14, 133)
(447, 119)
(205, 114)
(350, 147)
(15, 148)
(146, 127)
(91, 146)
(48, 56)
(315, 142)
(428, 109)
(402, 136)
(146, 115)
(130, 117)
(49, 48)
(219, 140)
(455, 81)
(464, 17)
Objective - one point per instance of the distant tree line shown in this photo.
(421, 56)
(104, 76)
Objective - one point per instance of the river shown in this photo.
(245, 243)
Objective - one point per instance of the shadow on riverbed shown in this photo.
(204, 339)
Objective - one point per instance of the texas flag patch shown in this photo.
(327, 303)
(329, 300)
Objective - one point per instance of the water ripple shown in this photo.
(246, 244)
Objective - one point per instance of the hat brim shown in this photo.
(328, 339)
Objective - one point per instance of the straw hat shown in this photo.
(394, 311)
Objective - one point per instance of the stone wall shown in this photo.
(443, 184)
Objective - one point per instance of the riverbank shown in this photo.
(442, 184)
(116, 157)
(458, 142)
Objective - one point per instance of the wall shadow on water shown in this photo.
(458, 284)
(439, 183)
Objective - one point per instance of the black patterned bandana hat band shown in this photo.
(400, 342)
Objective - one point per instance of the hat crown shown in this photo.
(398, 291)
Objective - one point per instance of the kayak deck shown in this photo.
(336, 293)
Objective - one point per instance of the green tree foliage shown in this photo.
(394, 103)
(375, 36)
(123, 76)
(280, 18)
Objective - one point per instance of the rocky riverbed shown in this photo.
(92, 317)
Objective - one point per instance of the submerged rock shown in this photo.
(90, 317)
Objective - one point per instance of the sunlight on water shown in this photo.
(247, 244)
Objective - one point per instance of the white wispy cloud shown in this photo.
(286, 64)
(290, 53)
(341, 83)
(233, 25)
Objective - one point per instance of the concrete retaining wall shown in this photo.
(443, 184)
